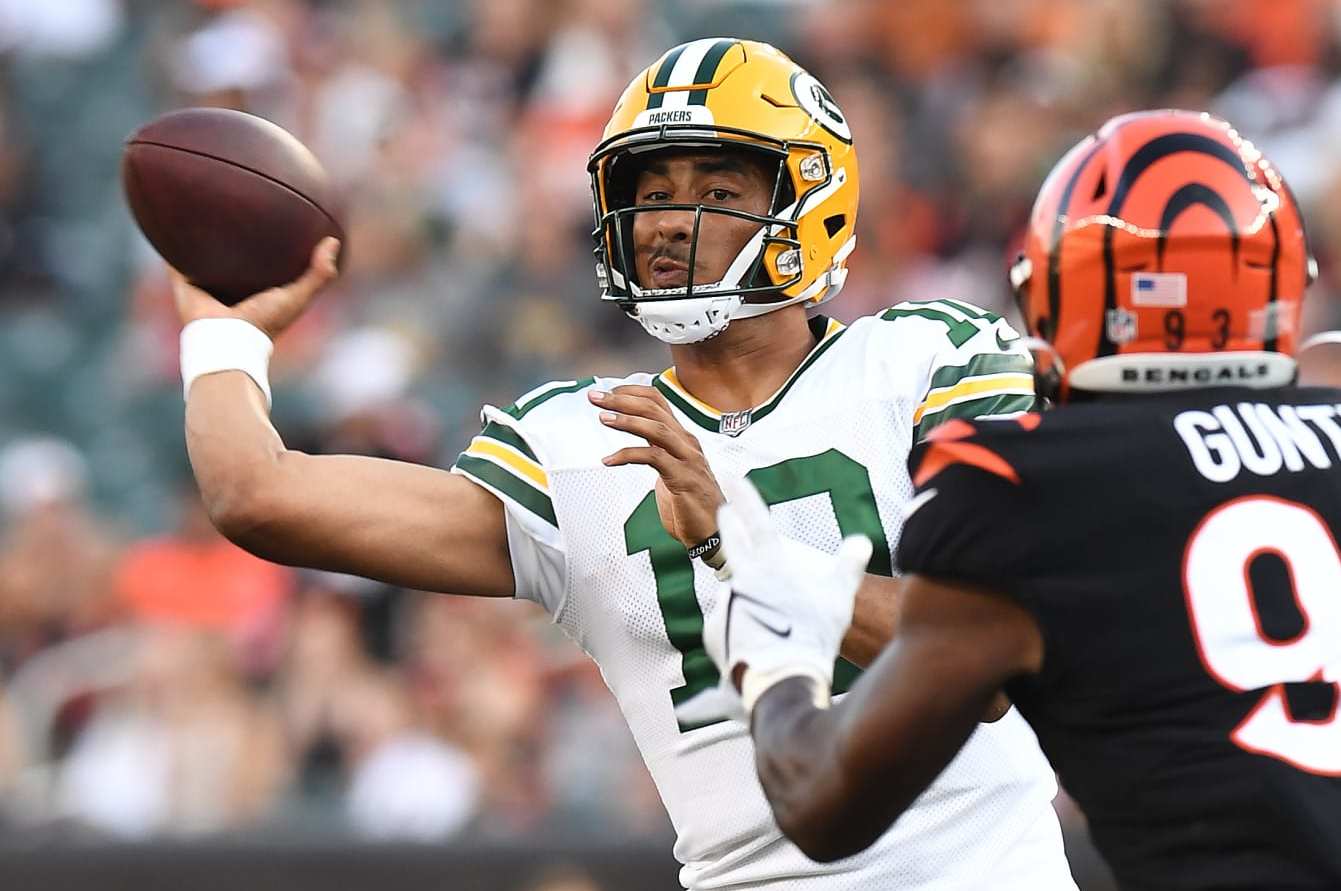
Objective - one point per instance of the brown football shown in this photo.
(232, 201)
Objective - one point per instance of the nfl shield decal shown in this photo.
(1121, 325)
(733, 423)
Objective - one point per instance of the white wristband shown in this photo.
(211, 345)
(756, 683)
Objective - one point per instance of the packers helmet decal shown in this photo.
(730, 95)
(813, 97)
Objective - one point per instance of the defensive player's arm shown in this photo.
(405, 524)
(838, 778)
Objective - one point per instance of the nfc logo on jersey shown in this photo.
(1259, 438)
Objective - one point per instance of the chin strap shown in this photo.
(693, 320)
(698, 318)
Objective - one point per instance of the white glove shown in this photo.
(786, 612)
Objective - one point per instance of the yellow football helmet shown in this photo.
(730, 94)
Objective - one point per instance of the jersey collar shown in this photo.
(734, 423)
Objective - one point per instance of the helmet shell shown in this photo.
(1164, 232)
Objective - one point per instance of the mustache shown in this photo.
(671, 252)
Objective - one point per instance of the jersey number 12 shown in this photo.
(848, 485)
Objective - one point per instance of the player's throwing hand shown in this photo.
(271, 311)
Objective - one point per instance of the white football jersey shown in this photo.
(828, 452)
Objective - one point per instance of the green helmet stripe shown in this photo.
(707, 70)
(664, 75)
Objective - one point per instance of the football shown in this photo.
(232, 201)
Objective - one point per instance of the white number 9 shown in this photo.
(1233, 645)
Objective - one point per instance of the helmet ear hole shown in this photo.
(834, 224)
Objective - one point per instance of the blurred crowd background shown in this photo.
(154, 680)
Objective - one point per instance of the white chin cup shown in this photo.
(687, 321)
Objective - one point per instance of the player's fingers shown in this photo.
(320, 270)
(853, 556)
(646, 455)
(644, 392)
(274, 310)
(631, 400)
(621, 400)
(193, 302)
(752, 510)
(657, 433)
(650, 395)
(737, 536)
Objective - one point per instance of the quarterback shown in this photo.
(725, 193)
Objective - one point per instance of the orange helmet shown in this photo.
(1165, 252)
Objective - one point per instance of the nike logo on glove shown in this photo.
(782, 632)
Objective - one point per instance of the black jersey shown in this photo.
(1180, 554)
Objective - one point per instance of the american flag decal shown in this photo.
(1167, 289)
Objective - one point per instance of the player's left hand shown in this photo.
(787, 610)
(686, 491)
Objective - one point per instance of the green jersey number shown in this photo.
(848, 486)
(960, 331)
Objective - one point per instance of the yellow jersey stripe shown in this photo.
(515, 461)
(974, 388)
(669, 376)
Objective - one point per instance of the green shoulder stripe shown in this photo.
(519, 410)
(969, 310)
(506, 435)
(959, 331)
(985, 363)
(495, 477)
(1000, 404)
